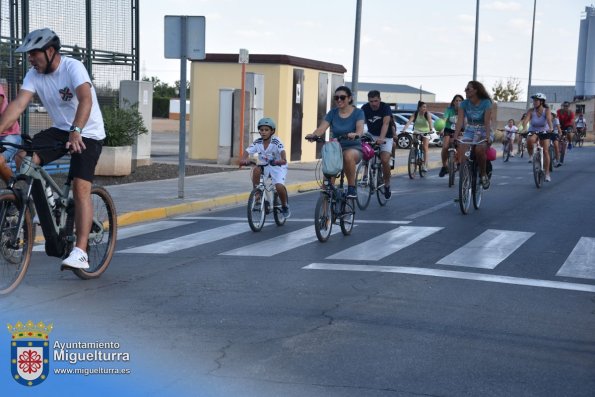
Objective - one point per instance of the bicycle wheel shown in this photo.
(412, 162)
(476, 186)
(323, 215)
(15, 254)
(380, 187)
(362, 181)
(348, 216)
(451, 168)
(581, 140)
(537, 173)
(102, 238)
(278, 209)
(552, 156)
(255, 210)
(465, 187)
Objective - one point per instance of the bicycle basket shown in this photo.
(367, 151)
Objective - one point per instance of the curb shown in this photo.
(152, 214)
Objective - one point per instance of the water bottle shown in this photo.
(50, 195)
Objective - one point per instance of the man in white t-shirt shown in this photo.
(65, 89)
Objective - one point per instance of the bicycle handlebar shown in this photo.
(471, 142)
(28, 147)
(321, 138)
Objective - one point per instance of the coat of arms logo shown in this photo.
(29, 347)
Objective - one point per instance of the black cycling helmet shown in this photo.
(41, 39)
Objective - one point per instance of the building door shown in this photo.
(297, 112)
(322, 105)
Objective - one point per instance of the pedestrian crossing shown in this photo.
(486, 251)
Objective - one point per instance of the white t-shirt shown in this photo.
(272, 152)
(57, 91)
(510, 131)
(581, 122)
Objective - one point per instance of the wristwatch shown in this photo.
(74, 128)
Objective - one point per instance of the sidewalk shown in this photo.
(152, 200)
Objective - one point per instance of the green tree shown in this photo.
(161, 89)
(507, 92)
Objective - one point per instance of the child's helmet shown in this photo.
(268, 122)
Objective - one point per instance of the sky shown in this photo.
(427, 44)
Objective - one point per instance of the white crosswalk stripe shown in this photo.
(137, 230)
(487, 250)
(386, 244)
(279, 244)
(581, 261)
(190, 240)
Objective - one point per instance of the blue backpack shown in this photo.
(332, 159)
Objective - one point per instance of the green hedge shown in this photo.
(160, 107)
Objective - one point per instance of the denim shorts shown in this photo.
(10, 151)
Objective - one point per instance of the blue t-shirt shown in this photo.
(374, 118)
(476, 114)
(342, 126)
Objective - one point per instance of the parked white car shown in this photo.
(36, 108)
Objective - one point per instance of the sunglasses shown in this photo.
(340, 97)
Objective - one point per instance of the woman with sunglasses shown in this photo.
(346, 121)
(477, 110)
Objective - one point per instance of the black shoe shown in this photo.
(558, 165)
(387, 192)
(351, 192)
(443, 171)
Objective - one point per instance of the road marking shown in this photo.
(133, 231)
(239, 219)
(581, 261)
(279, 244)
(190, 240)
(487, 250)
(454, 274)
(386, 244)
(429, 210)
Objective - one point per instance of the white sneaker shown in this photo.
(77, 259)
(548, 178)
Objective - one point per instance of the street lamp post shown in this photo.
(476, 40)
(355, 72)
(531, 54)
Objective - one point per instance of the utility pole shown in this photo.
(355, 72)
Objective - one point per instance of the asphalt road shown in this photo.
(419, 300)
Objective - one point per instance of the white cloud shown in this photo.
(503, 6)
(466, 18)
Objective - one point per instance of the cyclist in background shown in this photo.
(477, 110)
(65, 89)
(346, 121)
(510, 131)
(581, 125)
(270, 151)
(422, 123)
(566, 117)
(556, 134)
(539, 118)
(12, 135)
(378, 120)
(450, 115)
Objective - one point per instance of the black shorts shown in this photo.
(448, 132)
(82, 165)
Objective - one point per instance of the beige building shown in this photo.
(297, 94)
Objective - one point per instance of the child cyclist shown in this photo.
(270, 151)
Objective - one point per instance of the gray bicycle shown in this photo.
(33, 189)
